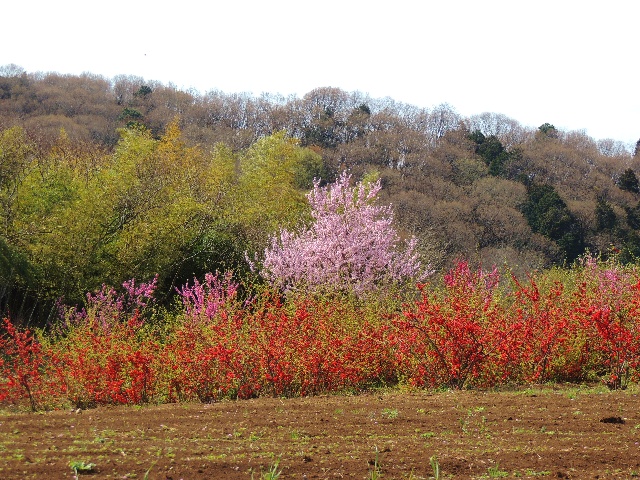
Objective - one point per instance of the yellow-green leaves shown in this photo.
(83, 217)
(268, 197)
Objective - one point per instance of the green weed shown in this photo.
(79, 467)
(273, 473)
(390, 413)
(495, 472)
(435, 466)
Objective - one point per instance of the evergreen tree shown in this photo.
(548, 130)
(492, 152)
(629, 181)
(548, 215)
(633, 216)
(605, 216)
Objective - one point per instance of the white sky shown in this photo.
(572, 63)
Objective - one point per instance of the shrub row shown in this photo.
(471, 329)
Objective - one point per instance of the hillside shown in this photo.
(105, 179)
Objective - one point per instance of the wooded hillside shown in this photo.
(102, 180)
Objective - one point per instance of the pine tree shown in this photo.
(629, 181)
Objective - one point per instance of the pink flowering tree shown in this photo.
(350, 245)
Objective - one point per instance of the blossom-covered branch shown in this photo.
(351, 245)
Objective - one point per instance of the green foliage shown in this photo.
(310, 168)
(495, 472)
(324, 130)
(74, 220)
(490, 149)
(435, 466)
(376, 471)
(143, 91)
(268, 194)
(605, 216)
(88, 206)
(630, 252)
(548, 130)
(149, 209)
(629, 181)
(272, 473)
(390, 413)
(15, 269)
(16, 157)
(468, 170)
(477, 137)
(492, 152)
(364, 108)
(80, 467)
(548, 215)
(166, 209)
(130, 114)
(633, 216)
(545, 211)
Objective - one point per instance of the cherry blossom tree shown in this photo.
(350, 246)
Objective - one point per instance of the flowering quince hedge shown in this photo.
(470, 328)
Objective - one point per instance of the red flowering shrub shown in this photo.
(455, 336)
(606, 306)
(22, 364)
(572, 325)
(271, 348)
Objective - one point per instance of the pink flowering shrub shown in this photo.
(350, 246)
(106, 306)
(204, 301)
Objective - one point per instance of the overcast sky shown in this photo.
(572, 63)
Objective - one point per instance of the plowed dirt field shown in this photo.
(562, 432)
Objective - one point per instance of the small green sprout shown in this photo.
(79, 467)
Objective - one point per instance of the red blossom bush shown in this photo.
(271, 348)
(606, 307)
(22, 363)
(96, 367)
(475, 329)
(455, 336)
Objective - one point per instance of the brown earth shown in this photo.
(557, 433)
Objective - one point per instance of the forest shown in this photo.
(105, 180)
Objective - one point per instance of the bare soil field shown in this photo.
(561, 432)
